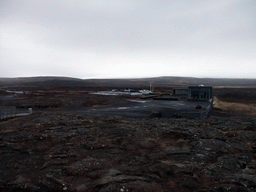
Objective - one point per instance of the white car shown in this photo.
(145, 92)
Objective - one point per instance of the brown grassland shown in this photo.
(243, 109)
(236, 101)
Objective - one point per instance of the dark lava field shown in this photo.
(63, 152)
(58, 149)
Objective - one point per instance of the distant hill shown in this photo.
(166, 81)
(40, 81)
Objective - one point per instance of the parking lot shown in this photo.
(144, 108)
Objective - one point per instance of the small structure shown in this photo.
(180, 93)
(199, 93)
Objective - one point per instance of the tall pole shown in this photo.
(151, 86)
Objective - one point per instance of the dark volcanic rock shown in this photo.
(62, 152)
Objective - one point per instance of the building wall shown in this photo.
(199, 93)
(180, 91)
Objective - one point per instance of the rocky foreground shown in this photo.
(63, 152)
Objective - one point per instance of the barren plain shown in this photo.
(56, 150)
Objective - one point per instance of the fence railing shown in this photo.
(6, 112)
(205, 113)
(196, 114)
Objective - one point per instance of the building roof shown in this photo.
(200, 87)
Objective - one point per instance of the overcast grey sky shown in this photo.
(128, 38)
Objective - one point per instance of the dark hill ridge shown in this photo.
(41, 81)
(166, 81)
(35, 79)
